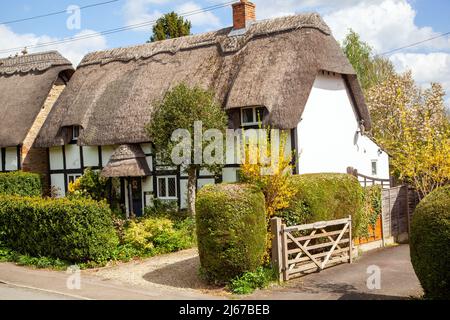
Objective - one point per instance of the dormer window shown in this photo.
(252, 116)
(75, 132)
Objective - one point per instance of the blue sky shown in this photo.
(385, 24)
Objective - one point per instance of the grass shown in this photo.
(8, 255)
(250, 281)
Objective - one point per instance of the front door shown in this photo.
(136, 196)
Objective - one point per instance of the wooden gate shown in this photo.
(311, 247)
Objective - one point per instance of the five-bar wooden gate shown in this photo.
(310, 247)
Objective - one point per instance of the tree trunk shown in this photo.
(192, 189)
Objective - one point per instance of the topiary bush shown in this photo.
(321, 197)
(430, 243)
(231, 230)
(20, 184)
(77, 230)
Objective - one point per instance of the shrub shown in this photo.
(77, 230)
(149, 236)
(231, 230)
(20, 184)
(250, 281)
(321, 197)
(166, 209)
(430, 243)
(372, 206)
(90, 185)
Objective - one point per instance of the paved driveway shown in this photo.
(149, 280)
(349, 281)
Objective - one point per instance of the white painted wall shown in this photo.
(56, 158)
(11, 159)
(107, 152)
(327, 134)
(229, 175)
(90, 157)
(57, 181)
(73, 156)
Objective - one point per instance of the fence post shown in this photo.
(351, 239)
(277, 259)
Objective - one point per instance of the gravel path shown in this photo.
(176, 270)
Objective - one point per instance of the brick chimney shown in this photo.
(244, 12)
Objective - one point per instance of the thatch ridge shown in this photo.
(273, 64)
(32, 62)
(220, 37)
(25, 83)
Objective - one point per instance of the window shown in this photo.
(374, 167)
(75, 132)
(167, 187)
(251, 116)
(71, 178)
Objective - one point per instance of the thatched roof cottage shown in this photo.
(290, 69)
(29, 86)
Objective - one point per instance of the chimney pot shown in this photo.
(244, 13)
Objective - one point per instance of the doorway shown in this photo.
(136, 196)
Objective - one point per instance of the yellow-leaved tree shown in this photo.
(268, 165)
(412, 125)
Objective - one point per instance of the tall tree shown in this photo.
(170, 26)
(412, 125)
(182, 108)
(371, 70)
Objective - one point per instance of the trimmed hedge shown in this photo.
(430, 243)
(231, 230)
(321, 197)
(20, 184)
(73, 230)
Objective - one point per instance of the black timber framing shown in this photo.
(4, 159)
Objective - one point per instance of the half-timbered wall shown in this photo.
(10, 159)
(71, 160)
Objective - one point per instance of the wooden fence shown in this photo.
(367, 181)
(304, 248)
(399, 204)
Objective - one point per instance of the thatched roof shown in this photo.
(25, 82)
(127, 161)
(273, 64)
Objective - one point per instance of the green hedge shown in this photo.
(430, 243)
(321, 197)
(72, 230)
(20, 184)
(231, 230)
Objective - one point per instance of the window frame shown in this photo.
(75, 129)
(75, 177)
(374, 170)
(166, 178)
(254, 114)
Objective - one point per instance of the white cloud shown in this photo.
(139, 11)
(385, 26)
(426, 68)
(74, 51)
(201, 19)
